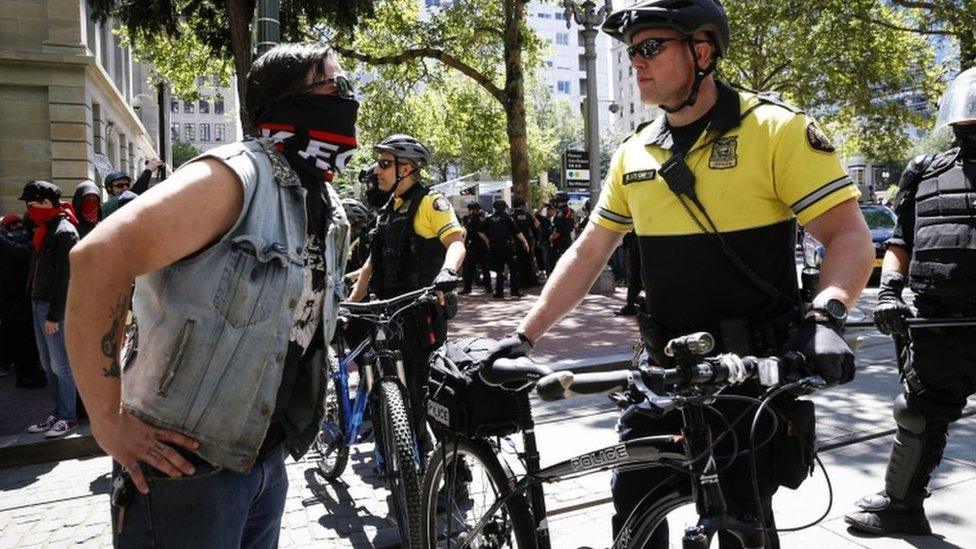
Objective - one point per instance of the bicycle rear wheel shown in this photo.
(402, 461)
(462, 481)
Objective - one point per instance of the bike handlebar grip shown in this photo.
(553, 386)
(602, 382)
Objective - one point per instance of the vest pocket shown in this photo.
(252, 280)
(176, 359)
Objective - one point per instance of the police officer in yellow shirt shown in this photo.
(418, 241)
(713, 189)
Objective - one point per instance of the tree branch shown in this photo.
(915, 4)
(893, 26)
(427, 53)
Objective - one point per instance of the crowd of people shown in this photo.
(34, 275)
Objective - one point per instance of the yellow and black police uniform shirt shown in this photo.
(759, 166)
(435, 216)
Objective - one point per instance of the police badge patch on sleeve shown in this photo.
(441, 204)
(723, 153)
(818, 139)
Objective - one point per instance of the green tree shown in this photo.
(955, 19)
(182, 152)
(833, 59)
(485, 40)
(177, 36)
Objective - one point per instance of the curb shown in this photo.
(27, 449)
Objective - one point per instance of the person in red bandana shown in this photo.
(54, 238)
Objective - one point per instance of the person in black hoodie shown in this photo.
(48, 282)
(87, 203)
(17, 346)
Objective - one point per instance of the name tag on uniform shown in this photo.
(637, 177)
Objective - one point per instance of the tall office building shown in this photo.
(73, 102)
(207, 122)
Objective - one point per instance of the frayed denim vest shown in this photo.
(213, 329)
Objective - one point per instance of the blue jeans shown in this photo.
(213, 509)
(54, 360)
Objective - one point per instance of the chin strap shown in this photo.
(396, 175)
(700, 75)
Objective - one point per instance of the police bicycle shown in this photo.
(381, 388)
(501, 510)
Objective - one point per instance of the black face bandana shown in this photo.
(966, 139)
(316, 133)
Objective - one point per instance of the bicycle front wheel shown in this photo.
(402, 461)
(462, 482)
(639, 530)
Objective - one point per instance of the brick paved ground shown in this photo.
(21, 407)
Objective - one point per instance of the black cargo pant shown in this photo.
(526, 270)
(944, 361)
(500, 255)
(630, 487)
(475, 262)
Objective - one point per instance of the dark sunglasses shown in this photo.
(344, 87)
(384, 163)
(650, 47)
(121, 185)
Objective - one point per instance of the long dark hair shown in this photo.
(280, 72)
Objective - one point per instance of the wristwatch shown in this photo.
(833, 311)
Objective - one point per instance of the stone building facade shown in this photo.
(73, 102)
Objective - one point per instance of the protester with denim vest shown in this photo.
(234, 307)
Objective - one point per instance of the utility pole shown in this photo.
(590, 18)
(268, 25)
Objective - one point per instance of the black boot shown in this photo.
(883, 515)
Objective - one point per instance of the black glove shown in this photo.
(826, 352)
(891, 311)
(512, 346)
(447, 280)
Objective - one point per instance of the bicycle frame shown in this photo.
(354, 410)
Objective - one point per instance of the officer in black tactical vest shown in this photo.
(500, 233)
(529, 227)
(476, 258)
(934, 247)
(417, 242)
(563, 224)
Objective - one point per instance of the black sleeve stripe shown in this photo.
(819, 194)
(445, 228)
(615, 217)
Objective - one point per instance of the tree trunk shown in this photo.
(515, 97)
(239, 17)
(967, 48)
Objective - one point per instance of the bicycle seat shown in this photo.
(513, 374)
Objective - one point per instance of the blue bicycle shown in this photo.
(380, 392)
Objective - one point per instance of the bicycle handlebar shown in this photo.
(726, 369)
(922, 322)
(384, 305)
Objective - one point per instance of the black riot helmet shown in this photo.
(559, 198)
(500, 206)
(518, 202)
(474, 205)
(684, 16)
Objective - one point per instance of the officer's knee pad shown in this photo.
(908, 416)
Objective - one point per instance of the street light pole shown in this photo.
(590, 18)
(269, 26)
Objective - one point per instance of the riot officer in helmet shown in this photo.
(563, 224)
(476, 258)
(500, 232)
(417, 242)
(529, 226)
(938, 366)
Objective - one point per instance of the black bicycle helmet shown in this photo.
(518, 202)
(474, 205)
(404, 146)
(685, 16)
(356, 212)
(500, 205)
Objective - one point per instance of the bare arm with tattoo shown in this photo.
(148, 234)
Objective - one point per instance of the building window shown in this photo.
(562, 86)
(560, 16)
(204, 106)
(219, 104)
(174, 105)
(205, 132)
(631, 108)
(218, 132)
(548, 62)
(188, 106)
(174, 130)
(562, 38)
(857, 174)
(430, 3)
(190, 134)
(544, 15)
